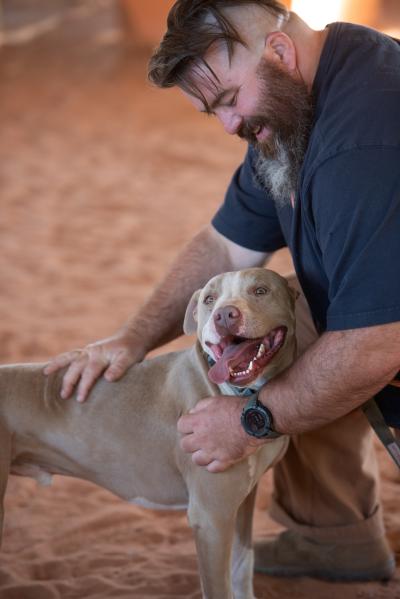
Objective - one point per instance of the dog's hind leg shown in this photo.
(243, 556)
(5, 458)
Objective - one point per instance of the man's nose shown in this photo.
(231, 122)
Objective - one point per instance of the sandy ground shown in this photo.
(102, 181)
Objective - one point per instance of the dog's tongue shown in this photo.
(219, 373)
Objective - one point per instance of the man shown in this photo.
(321, 175)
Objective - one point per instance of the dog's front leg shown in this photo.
(5, 458)
(214, 503)
(213, 531)
(243, 557)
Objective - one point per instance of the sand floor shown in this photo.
(102, 179)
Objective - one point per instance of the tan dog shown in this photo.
(125, 437)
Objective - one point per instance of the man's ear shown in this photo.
(190, 320)
(280, 48)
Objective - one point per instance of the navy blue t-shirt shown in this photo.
(344, 230)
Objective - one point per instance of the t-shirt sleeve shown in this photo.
(248, 216)
(356, 213)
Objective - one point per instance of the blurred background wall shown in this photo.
(147, 19)
(144, 22)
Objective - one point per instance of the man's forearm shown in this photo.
(335, 375)
(160, 319)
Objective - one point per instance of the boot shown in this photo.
(290, 555)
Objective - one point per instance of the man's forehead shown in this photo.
(218, 72)
(220, 66)
(209, 71)
(207, 84)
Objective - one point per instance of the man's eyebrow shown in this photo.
(218, 100)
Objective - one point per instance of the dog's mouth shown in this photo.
(239, 360)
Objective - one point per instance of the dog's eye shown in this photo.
(210, 299)
(261, 291)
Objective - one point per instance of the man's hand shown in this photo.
(111, 357)
(213, 434)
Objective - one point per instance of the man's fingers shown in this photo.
(217, 466)
(118, 367)
(61, 361)
(214, 465)
(185, 424)
(189, 444)
(71, 377)
(89, 375)
(202, 405)
(201, 458)
(111, 356)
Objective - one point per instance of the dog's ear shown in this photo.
(190, 321)
(294, 293)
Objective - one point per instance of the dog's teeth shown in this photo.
(261, 350)
(241, 372)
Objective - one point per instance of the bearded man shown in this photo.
(320, 112)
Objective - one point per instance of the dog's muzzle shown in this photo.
(240, 361)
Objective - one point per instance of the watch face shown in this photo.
(256, 422)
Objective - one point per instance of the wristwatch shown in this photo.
(257, 419)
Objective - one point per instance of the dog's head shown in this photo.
(244, 320)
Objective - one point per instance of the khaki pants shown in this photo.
(326, 486)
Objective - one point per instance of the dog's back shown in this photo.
(123, 438)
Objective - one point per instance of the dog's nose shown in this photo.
(227, 317)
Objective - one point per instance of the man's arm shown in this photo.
(336, 374)
(160, 319)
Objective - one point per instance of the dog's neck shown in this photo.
(227, 389)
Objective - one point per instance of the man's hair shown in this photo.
(190, 33)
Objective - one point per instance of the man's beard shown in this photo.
(286, 108)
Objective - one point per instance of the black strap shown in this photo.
(377, 421)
